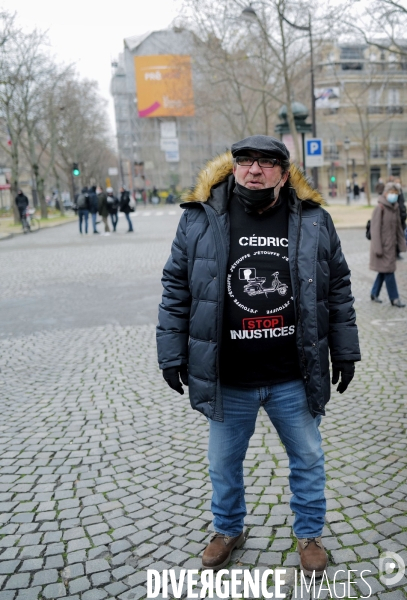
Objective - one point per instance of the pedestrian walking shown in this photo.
(82, 204)
(113, 207)
(104, 209)
(125, 207)
(348, 191)
(93, 207)
(22, 203)
(403, 212)
(356, 191)
(386, 236)
(256, 297)
(154, 197)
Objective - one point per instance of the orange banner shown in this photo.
(164, 86)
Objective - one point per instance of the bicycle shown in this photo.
(29, 221)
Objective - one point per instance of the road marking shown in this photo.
(389, 322)
(160, 213)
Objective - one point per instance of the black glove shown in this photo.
(172, 375)
(346, 369)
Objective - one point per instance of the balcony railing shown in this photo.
(331, 153)
(363, 64)
(383, 152)
(392, 109)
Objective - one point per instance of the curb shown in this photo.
(11, 235)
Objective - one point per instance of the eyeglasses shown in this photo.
(263, 162)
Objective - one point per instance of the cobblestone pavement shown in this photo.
(103, 470)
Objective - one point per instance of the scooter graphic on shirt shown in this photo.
(254, 284)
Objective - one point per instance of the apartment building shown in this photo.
(361, 100)
(160, 151)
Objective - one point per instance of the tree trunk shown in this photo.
(60, 200)
(367, 187)
(41, 195)
(290, 115)
(14, 183)
(365, 128)
(39, 184)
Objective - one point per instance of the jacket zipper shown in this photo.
(297, 296)
(222, 260)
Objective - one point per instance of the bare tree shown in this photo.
(242, 72)
(82, 130)
(10, 77)
(51, 118)
(247, 70)
(381, 24)
(39, 76)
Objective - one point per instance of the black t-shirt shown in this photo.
(258, 338)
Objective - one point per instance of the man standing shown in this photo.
(82, 203)
(113, 207)
(103, 209)
(21, 201)
(256, 295)
(93, 207)
(125, 207)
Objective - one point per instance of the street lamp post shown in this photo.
(313, 113)
(346, 145)
(250, 14)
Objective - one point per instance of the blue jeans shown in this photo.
(114, 217)
(83, 215)
(287, 408)
(94, 218)
(129, 221)
(391, 285)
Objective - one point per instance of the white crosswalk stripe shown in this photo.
(153, 213)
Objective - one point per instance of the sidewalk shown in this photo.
(103, 468)
(345, 217)
(9, 229)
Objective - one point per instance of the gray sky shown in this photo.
(90, 33)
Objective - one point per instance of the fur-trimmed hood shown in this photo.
(219, 169)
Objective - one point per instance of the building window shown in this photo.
(393, 97)
(395, 149)
(393, 102)
(352, 58)
(376, 151)
(331, 151)
(375, 101)
(392, 62)
(374, 177)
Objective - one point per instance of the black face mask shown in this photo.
(254, 200)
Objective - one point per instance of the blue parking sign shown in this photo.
(314, 153)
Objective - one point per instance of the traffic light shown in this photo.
(333, 178)
(75, 170)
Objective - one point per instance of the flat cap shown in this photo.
(261, 143)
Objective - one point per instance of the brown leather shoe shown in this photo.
(219, 550)
(312, 556)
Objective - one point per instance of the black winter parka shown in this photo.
(189, 330)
